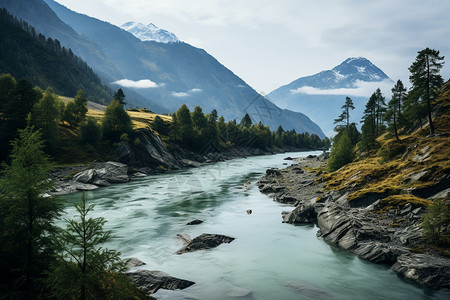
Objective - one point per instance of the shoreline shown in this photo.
(93, 175)
(390, 238)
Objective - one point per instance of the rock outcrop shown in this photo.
(151, 281)
(205, 241)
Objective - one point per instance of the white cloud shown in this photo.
(180, 94)
(195, 90)
(362, 89)
(140, 84)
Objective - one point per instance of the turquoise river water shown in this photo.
(267, 260)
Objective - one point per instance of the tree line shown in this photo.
(44, 62)
(404, 110)
(199, 132)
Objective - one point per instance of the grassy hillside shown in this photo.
(415, 170)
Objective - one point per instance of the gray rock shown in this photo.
(101, 182)
(151, 281)
(113, 172)
(273, 172)
(134, 262)
(195, 222)
(85, 187)
(304, 213)
(85, 176)
(427, 270)
(205, 241)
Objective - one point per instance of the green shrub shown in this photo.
(436, 222)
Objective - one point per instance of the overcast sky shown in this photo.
(269, 43)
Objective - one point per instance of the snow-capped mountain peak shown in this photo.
(149, 32)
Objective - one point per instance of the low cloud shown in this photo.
(361, 89)
(140, 84)
(180, 94)
(185, 94)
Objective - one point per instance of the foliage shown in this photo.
(341, 153)
(85, 270)
(116, 121)
(17, 99)
(119, 96)
(373, 124)
(26, 216)
(345, 115)
(392, 115)
(246, 121)
(426, 81)
(160, 126)
(44, 62)
(75, 112)
(91, 132)
(436, 222)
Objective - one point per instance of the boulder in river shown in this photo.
(195, 222)
(151, 281)
(205, 241)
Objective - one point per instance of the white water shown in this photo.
(267, 260)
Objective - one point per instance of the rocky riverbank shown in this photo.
(379, 234)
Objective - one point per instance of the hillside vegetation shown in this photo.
(414, 170)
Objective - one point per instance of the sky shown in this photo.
(269, 43)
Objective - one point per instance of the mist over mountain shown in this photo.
(321, 95)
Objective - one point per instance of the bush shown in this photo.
(436, 222)
(124, 137)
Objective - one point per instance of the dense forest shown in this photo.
(24, 53)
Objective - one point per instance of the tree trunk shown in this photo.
(430, 121)
(395, 127)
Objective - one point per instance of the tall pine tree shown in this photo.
(426, 80)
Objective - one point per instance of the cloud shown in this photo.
(140, 84)
(185, 94)
(361, 89)
(180, 94)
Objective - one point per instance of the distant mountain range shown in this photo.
(321, 95)
(155, 75)
(149, 32)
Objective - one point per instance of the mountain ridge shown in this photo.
(149, 32)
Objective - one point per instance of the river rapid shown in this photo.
(267, 260)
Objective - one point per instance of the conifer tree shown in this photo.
(86, 270)
(116, 121)
(26, 216)
(426, 80)
(368, 129)
(246, 121)
(345, 115)
(119, 96)
(341, 153)
(394, 106)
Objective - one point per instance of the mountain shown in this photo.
(322, 95)
(149, 32)
(43, 62)
(170, 74)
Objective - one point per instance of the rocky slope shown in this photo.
(383, 234)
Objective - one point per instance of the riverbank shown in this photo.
(389, 236)
(134, 164)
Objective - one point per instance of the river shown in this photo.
(267, 260)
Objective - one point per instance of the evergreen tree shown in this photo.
(246, 121)
(46, 116)
(160, 126)
(345, 115)
(184, 124)
(341, 153)
(380, 109)
(368, 129)
(116, 121)
(85, 270)
(26, 216)
(119, 96)
(425, 78)
(394, 106)
(80, 102)
(90, 132)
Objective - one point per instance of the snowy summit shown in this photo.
(149, 32)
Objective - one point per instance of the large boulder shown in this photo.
(85, 176)
(151, 281)
(113, 172)
(205, 241)
(304, 213)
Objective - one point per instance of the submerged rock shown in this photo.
(195, 222)
(205, 241)
(151, 281)
(134, 262)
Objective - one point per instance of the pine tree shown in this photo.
(116, 121)
(46, 116)
(425, 78)
(86, 270)
(80, 102)
(380, 109)
(368, 129)
(160, 126)
(341, 153)
(394, 106)
(345, 115)
(26, 215)
(246, 121)
(119, 96)
(185, 127)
